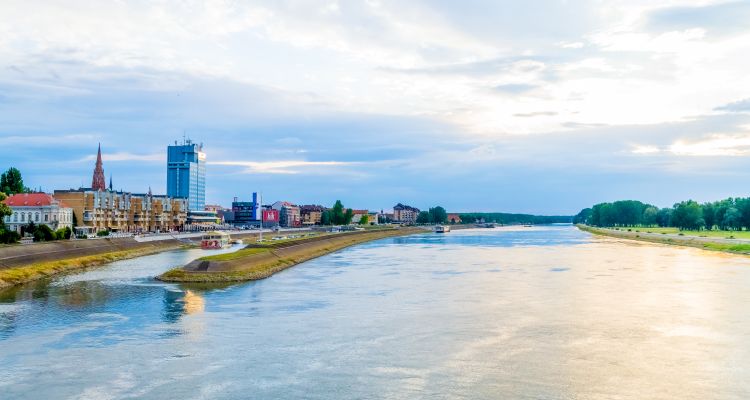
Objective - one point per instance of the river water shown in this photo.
(516, 313)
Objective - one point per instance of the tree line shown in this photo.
(727, 214)
(513, 219)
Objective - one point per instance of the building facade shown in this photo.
(39, 208)
(289, 214)
(405, 214)
(186, 174)
(97, 210)
(311, 214)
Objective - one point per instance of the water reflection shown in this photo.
(501, 313)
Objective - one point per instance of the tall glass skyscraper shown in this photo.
(186, 173)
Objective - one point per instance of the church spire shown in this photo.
(110, 182)
(98, 182)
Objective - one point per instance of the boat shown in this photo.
(442, 228)
(215, 240)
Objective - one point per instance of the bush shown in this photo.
(63, 233)
(8, 237)
(44, 233)
(102, 233)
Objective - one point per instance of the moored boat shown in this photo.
(215, 240)
(442, 229)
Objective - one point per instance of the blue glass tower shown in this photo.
(186, 173)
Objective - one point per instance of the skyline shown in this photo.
(478, 107)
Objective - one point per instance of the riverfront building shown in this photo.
(405, 214)
(186, 174)
(39, 208)
(97, 210)
(311, 214)
(289, 214)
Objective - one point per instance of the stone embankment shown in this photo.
(255, 262)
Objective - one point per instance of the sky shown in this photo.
(542, 107)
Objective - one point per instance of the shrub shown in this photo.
(102, 233)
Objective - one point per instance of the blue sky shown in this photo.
(543, 107)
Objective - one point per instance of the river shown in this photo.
(509, 313)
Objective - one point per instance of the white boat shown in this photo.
(215, 240)
(442, 228)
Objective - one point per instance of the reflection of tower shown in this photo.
(98, 183)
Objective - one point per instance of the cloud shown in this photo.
(724, 18)
(737, 106)
(283, 167)
(515, 88)
(125, 156)
(716, 145)
(536, 114)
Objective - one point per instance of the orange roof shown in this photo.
(32, 200)
(356, 212)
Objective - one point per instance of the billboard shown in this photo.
(271, 215)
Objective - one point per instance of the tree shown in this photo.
(337, 213)
(44, 233)
(364, 220)
(583, 217)
(650, 216)
(732, 219)
(664, 217)
(709, 215)
(11, 182)
(4, 210)
(438, 215)
(325, 218)
(688, 215)
(348, 215)
(423, 217)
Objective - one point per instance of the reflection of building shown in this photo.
(186, 174)
(40, 208)
(97, 210)
(311, 214)
(289, 214)
(404, 213)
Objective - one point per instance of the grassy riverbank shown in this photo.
(31, 272)
(255, 263)
(698, 239)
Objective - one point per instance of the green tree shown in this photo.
(423, 217)
(650, 215)
(348, 215)
(338, 215)
(11, 182)
(688, 215)
(325, 218)
(364, 220)
(4, 210)
(44, 233)
(438, 215)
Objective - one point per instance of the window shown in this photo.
(23, 217)
(36, 217)
(15, 217)
(46, 217)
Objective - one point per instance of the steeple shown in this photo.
(98, 182)
(110, 182)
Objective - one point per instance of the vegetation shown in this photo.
(509, 219)
(435, 215)
(732, 214)
(5, 235)
(364, 220)
(338, 215)
(11, 182)
(102, 233)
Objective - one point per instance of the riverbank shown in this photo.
(259, 262)
(734, 246)
(34, 269)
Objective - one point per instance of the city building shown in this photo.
(246, 213)
(40, 208)
(289, 214)
(117, 211)
(405, 214)
(358, 214)
(270, 217)
(311, 214)
(454, 218)
(97, 182)
(186, 174)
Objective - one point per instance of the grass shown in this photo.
(711, 233)
(739, 248)
(235, 255)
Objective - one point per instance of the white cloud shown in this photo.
(717, 145)
(284, 167)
